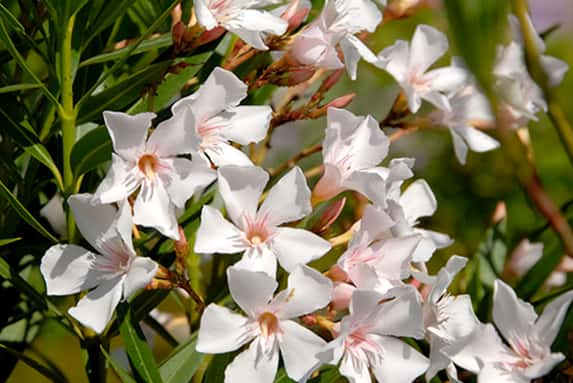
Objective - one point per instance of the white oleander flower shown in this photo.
(114, 274)
(268, 326)
(257, 231)
(152, 166)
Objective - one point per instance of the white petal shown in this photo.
(66, 270)
(400, 363)
(96, 309)
(221, 90)
(222, 330)
(128, 133)
(307, 291)
(354, 49)
(492, 372)
(482, 346)
(185, 178)
(428, 45)
(94, 221)
(294, 247)
(445, 276)
(394, 60)
(247, 124)
(395, 255)
(121, 180)
(223, 154)
(555, 69)
(153, 208)
(174, 136)
(418, 201)
(477, 140)
(330, 184)
(299, 347)
(250, 289)
(355, 369)
(315, 45)
(401, 316)
(435, 98)
(460, 146)
(288, 200)
(241, 187)
(549, 323)
(542, 367)
(204, 15)
(447, 79)
(374, 223)
(369, 184)
(253, 366)
(260, 259)
(513, 317)
(248, 24)
(141, 272)
(217, 235)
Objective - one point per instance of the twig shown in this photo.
(296, 158)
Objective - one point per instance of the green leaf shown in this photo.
(48, 371)
(136, 346)
(18, 87)
(534, 279)
(121, 373)
(7, 241)
(163, 41)
(182, 364)
(216, 371)
(31, 144)
(93, 149)
(173, 82)
(121, 94)
(24, 213)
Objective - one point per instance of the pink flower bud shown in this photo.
(341, 102)
(341, 295)
(329, 216)
(208, 36)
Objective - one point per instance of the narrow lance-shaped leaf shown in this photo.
(136, 346)
(182, 364)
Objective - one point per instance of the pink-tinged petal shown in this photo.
(513, 317)
(316, 46)
(435, 98)
(153, 208)
(329, 185)
(141, 272)
(418, 201)
(96, 309)
(66, 270)
(299, 347)
(128, 133)
(185, 178)
(174, 136)
(428, 45)
(121, 180)
(355, 369)
(294, 247)
(221, 90)
(247, 124)
(288, 200)
(204, 15)
(223, 154)
(222, 330)
(95, 222)
(401, 316)
(249, 23)
(399, 362)
(549, 323)
(260, 259)
(250, 289)
(253, 365)
(307, 291)
(341, 295)
(241, 187)
(217, 235)
(481, 347)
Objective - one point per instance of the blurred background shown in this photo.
(467, 195)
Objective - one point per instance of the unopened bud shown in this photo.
(341, 295)
(328, 83)
(181, 252)
(177, 33)
(208, 36)
(341, 102)
(296, 19)
(331, 213)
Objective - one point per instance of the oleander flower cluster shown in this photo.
(358, 296)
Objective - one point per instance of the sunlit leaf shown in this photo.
(93, 149)
(182, 364)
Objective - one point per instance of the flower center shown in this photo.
(269, 324)
(148, 164)
(257, 230)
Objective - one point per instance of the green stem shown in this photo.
(533, 58)
(67, 115)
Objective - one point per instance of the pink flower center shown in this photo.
(268, 323)
(257, 230)
(209, 131)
